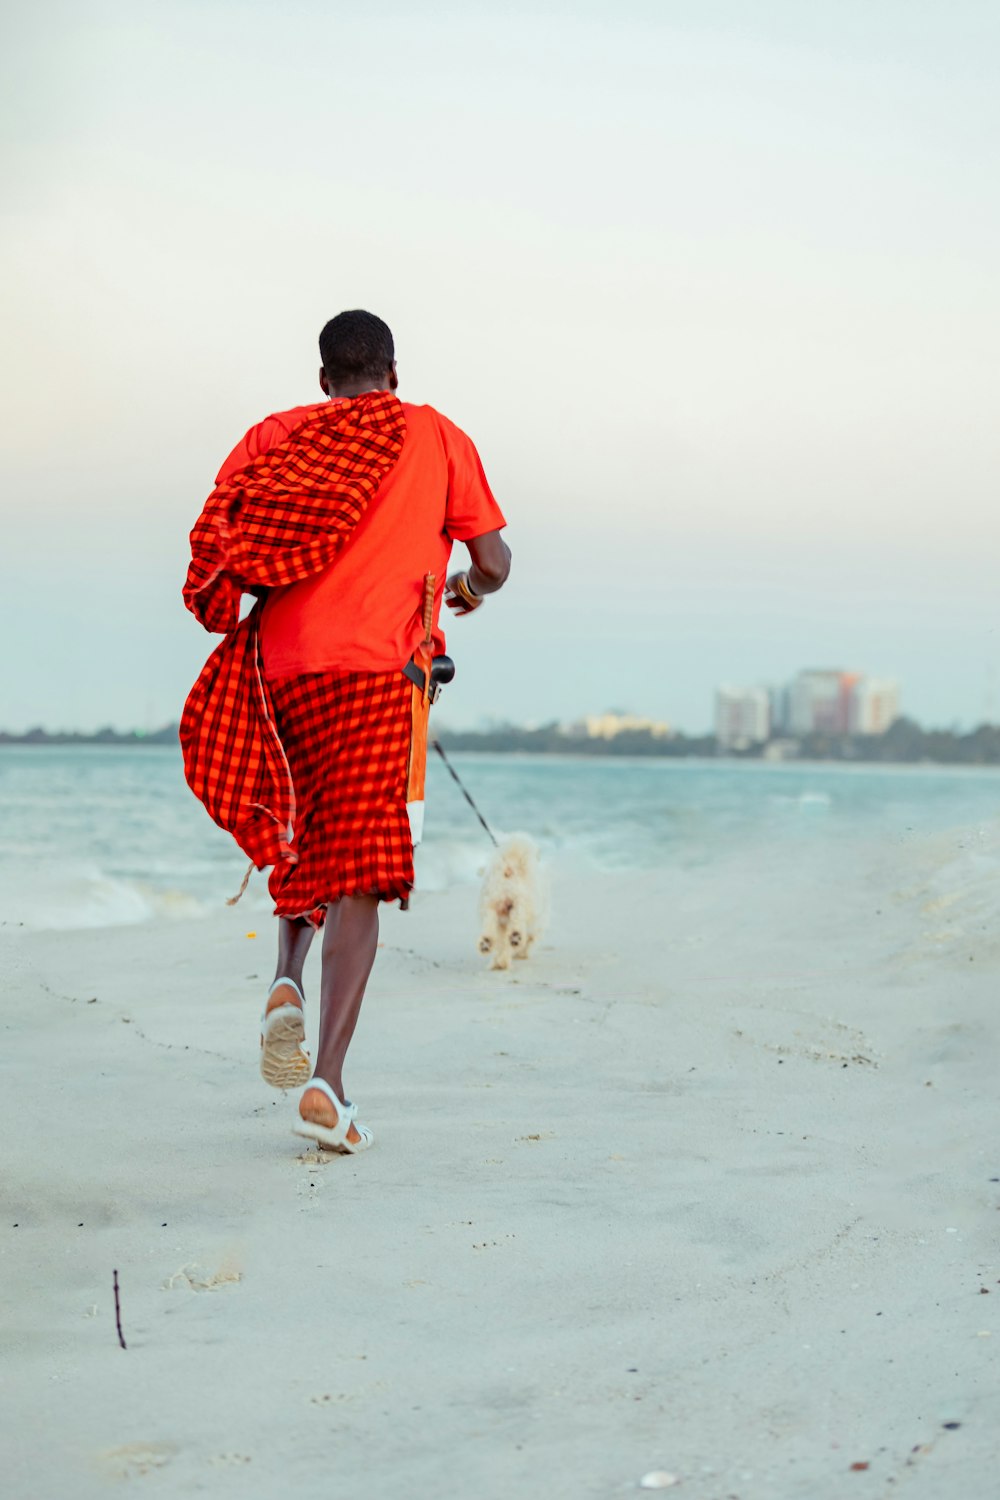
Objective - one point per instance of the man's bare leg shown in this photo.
(294, 937)
(350, 939)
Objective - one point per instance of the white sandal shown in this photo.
(284, 1061)
(334, 1137)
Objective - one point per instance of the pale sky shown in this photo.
(711, 284)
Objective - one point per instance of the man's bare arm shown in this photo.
(490, 569)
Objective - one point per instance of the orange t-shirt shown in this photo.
(364, 612)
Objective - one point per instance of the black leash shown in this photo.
(455, 778)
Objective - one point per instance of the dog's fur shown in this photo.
(513, 904)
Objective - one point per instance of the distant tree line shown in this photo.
(551, 739)
(905, 742)
(168, 735)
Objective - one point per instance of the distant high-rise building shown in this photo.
(819, 702)
(874, 706)
(828, 701)
(779, 709)
(742, 717)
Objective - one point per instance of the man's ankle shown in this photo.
(283, 993)
(336, 1083)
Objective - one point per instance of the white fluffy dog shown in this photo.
(513, 904)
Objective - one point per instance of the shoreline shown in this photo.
(727, 762)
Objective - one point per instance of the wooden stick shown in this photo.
(118, 1315)
(429, 582)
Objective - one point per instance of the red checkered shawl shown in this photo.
(280, 519)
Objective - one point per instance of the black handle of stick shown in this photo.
(455, 778)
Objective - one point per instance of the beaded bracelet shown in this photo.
(464, 591)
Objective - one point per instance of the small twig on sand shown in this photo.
(118, 1315)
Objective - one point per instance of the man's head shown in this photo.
(358, 355)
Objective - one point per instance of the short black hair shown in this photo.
(356, 346)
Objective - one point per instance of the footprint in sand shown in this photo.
(192, 1277)
(841, 1045)
(137, 1458)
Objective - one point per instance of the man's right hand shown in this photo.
(459, 595)
(490, 567)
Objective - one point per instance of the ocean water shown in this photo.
(100, 836)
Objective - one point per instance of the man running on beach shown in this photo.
(302, 733)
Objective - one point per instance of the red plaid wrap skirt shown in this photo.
(346, 737)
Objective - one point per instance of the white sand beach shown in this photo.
(710, 1187)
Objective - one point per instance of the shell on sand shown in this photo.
(658, 1479)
